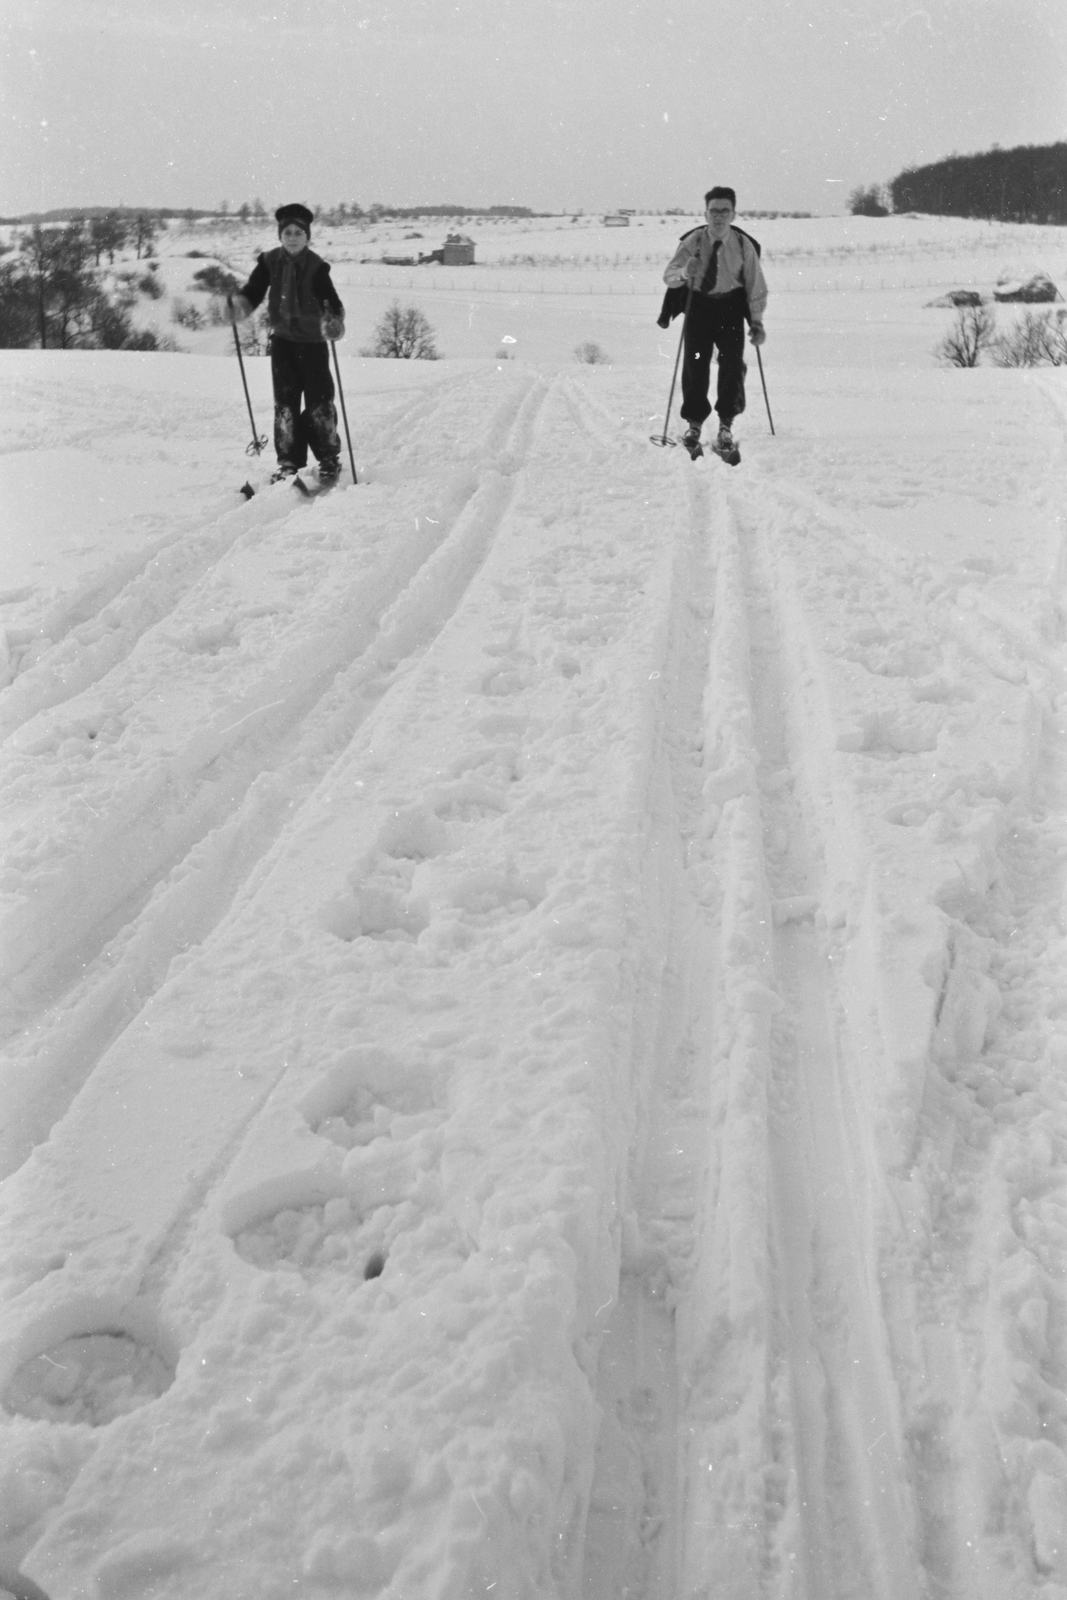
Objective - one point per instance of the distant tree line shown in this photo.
(351, 211)
(1026, 184)
(343, 212)
(156, 216)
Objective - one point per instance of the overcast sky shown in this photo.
(553, 104)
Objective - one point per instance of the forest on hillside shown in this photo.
(1026, 184)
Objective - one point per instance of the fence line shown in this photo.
(780, 284)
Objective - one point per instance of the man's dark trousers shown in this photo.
(715, 322)
(303, 370)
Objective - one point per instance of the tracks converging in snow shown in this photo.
(538, 1028)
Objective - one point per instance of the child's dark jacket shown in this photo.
(299, 291)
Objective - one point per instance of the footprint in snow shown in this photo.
(89, 1379)
(383, 1112)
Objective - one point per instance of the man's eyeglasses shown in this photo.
(719, 211)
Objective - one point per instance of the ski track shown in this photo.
(828, 1367)
(189, 833)
(873, 1270)
(828, 1351)
(846, 1425)
(634, 1539)
(88, 632)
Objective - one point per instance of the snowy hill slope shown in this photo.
(539, 1010)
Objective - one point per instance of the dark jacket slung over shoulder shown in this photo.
(749, 277)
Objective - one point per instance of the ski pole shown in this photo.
(344, 413)
(763, 380)
(655, 438)
(259, 440)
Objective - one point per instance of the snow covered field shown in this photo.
(536, 987)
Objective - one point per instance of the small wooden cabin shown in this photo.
(458, 251)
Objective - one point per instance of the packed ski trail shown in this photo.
(539, 1010)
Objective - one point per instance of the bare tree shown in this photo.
(52, 291)
(403, 334)
(973, 331)
(64, 285)
(18, 310)
(869, 202)
(108, 234)
(592, 354)
(143, 232)
(1038, 339)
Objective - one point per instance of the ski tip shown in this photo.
(247, 490)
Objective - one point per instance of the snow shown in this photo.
(536, 984)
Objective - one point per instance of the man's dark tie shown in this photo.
(713, 269)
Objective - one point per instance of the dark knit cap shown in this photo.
(295, 213)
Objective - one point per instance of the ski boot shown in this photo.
(725, 447)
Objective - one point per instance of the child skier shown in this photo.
(304, 312)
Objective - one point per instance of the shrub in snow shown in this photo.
(215, 279)
(1038, 339)
(972, 332)
(187, 316)
(113, 330)
(958, 297)
(403, 334)
(592, 354)
(252, 333)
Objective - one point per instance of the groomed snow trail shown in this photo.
(540, 1005)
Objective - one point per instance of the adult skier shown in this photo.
(304, 312)
(721, 263)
